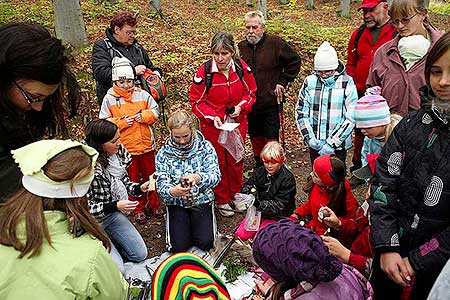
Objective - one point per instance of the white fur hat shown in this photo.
(121, 69)
(326, 58)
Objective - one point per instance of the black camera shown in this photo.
(230, 110)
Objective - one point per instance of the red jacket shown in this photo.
(357, 231)
(319, 197)
(360, 59)
(224, 92)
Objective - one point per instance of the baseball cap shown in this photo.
(370, 3)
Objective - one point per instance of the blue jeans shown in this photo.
(127, 241)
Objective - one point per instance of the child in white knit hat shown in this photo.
(134, 111)
(325, 106)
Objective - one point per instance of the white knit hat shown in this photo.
(121, 69)
(326, 58)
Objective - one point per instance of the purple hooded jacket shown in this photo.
(349, 285)
(398, 86)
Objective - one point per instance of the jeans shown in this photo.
(128, 244)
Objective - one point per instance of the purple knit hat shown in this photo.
(372, 111)
(292, 253)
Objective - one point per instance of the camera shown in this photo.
(229, 110)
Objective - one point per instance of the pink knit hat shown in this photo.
(372, 111)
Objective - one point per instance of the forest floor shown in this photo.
(179, 42)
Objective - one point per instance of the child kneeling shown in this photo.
(275, 189)
(330, 189)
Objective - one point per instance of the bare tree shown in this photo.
(310, 4)
(155, 5)
(69, 22)
(345, 8)
(262, 6)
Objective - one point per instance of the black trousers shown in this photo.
(187, 227)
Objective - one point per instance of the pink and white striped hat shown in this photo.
(372, 111)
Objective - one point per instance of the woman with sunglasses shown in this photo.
(37, 91)
(398, 66)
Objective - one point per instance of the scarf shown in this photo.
(125, 94)
(181, 151)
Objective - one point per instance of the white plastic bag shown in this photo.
(252, 219)
(243, 201)
(232, 141)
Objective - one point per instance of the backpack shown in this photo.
(149, 81)
(360, 32)
(209, 75)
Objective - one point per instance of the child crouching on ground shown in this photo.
(275, 189)
(330, 189)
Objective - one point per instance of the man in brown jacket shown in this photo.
(274, 63)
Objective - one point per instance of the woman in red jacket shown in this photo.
(223, 88)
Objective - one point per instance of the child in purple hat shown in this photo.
(302, 268)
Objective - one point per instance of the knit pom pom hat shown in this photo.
(372, 111)
(291, 253)
(326, 58)
(184, 276)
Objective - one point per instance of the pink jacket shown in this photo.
(398, 86)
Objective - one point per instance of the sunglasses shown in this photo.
(27, 97)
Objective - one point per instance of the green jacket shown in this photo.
(74, 268)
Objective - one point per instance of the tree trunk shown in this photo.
(262, 6)
(345, 8)
(69, 23)
(283, 2)
(249, 3)
(155, 6)
(310, 4)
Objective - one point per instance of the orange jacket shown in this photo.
(137, 138)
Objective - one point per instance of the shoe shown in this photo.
(355, 181)
(140, 218)
(159, 213)
(225, 210)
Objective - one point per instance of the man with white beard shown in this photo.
(274, 64)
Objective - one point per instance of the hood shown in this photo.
(426, 99)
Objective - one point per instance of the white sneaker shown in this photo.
(225, 210)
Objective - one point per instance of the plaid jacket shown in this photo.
(99, 194)
(325, 111)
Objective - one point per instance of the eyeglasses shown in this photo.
(27, 97)
(404, 21)
(131, 32)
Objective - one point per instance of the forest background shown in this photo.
(177, 40)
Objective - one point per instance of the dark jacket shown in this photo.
(101, 61)
(273, 62)
(14, 133)
(275, 195)
(410, 195)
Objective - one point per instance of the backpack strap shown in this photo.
(357, 37)
(209, 75)
(111, 50)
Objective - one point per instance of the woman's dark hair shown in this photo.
(29, 208)
(29, 52)
(97, 133)
(123, 18)
(438, 49)
(338, 198)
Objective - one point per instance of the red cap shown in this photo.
(370, 3)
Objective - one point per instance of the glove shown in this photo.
(316, 144)
(326, 149)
